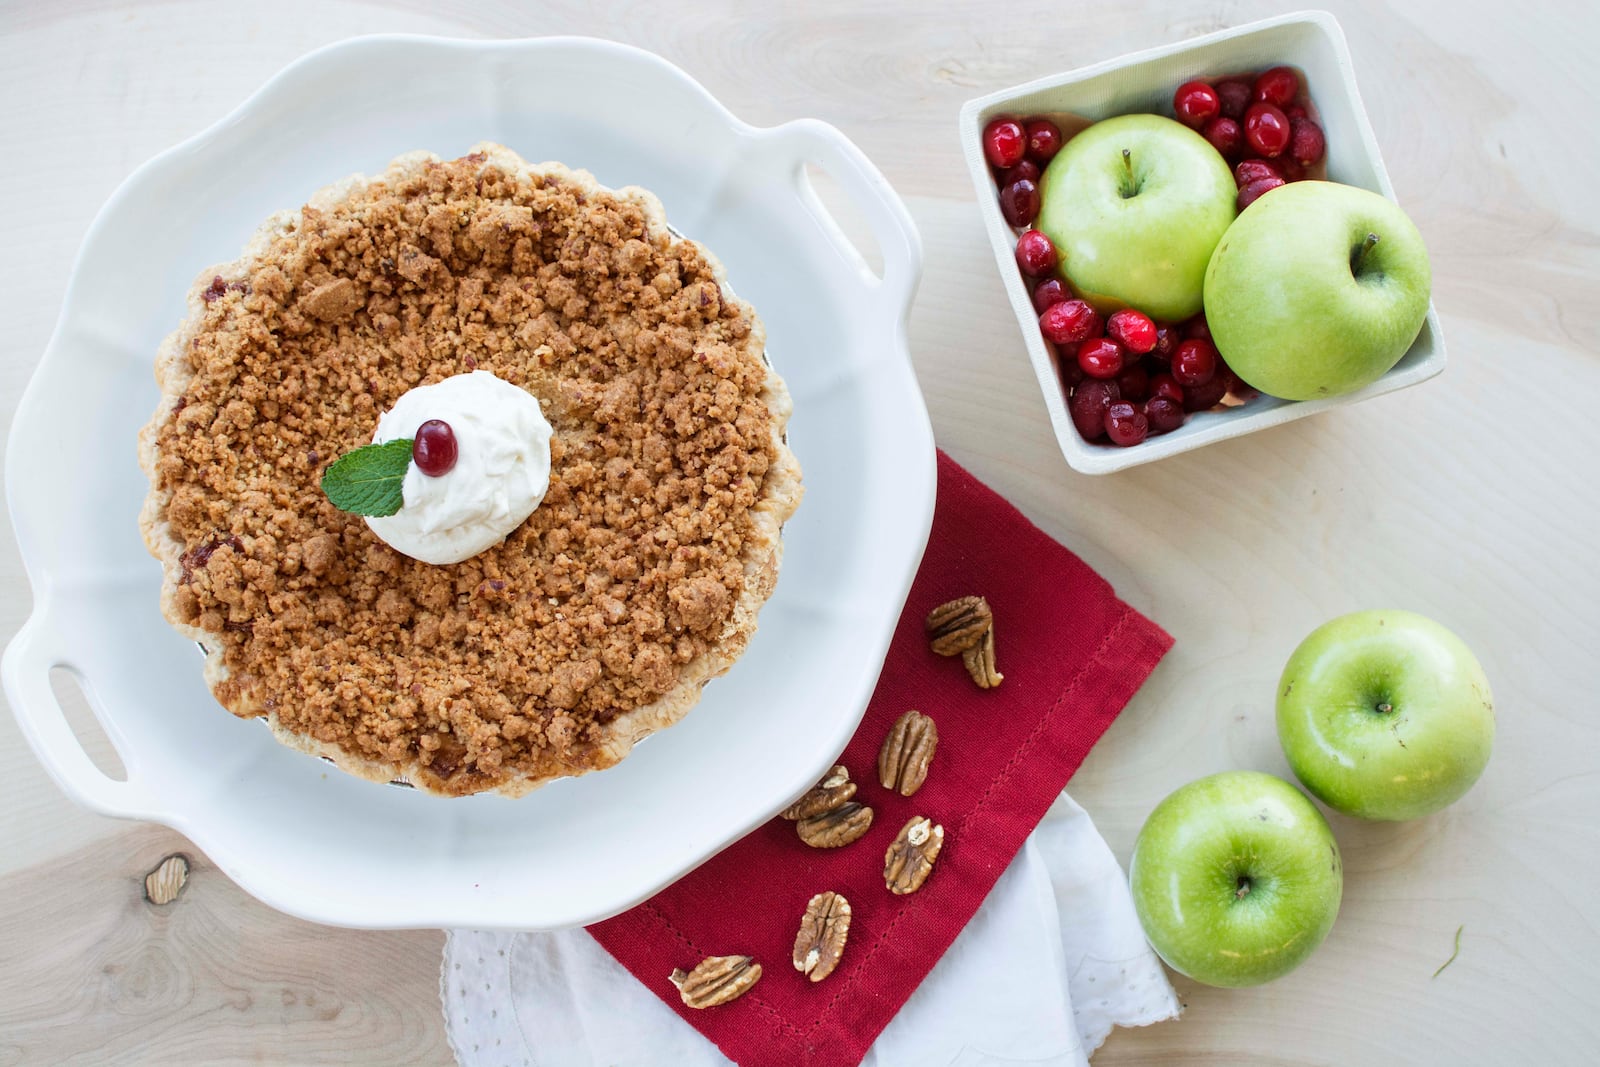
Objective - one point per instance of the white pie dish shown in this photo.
(1144, 82)
(333, 848)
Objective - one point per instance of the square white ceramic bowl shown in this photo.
(1144, 82)
(332, 847)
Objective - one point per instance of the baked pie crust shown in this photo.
(600, 618)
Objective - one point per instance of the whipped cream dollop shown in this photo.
(501, 473)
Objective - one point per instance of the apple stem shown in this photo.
(1385, 708)
(1360, 253)
(1130, 187)
(1243, 890)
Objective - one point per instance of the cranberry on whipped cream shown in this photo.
(500, 475)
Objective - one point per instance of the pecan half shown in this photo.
(163, 884)
(823, 931)
(716, 980)
(979, 661)
(903, 760)
(831, 829)
(909, 860)
(958, 625)
(834, 789)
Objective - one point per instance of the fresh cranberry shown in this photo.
(1069, 322)
(1044, 140)
(1027, 170)
(1197, 328)
(1196, 103)
(1163, 413)
(1071, 373)
(1235, 385)
(1088, 407)
(1134, 382)
(1126, 424)
(1194, 363)
(1232, 383)
(1036, 255)
(1294, 111)
(1225, 136)
(1132, 330)
(1249, 194)
(433, 449)
(1306, 142)
(1292, 170)
(1004, 143)
(1101, 357)
(1019, 202)
(1202, 397)
(1166, 385)
(1276, 86)
(1235, 96)
(1254, 170)
(1167, 338)
(1266, 129)
(1048, 293)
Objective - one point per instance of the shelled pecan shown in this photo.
(823, 931)
(835, 828)
(958, 625)
(979, 661)
(716, 980)
(834, 790)
(903, 760)
(910, 859)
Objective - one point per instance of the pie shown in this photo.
(595, 622)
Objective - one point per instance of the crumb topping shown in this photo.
(508, 663)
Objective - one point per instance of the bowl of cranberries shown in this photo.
(1277, 102)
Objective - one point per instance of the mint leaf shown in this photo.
(367, 481)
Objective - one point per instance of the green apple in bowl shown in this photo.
(1317, 290)
(1236, 878)
(1385, 715)
(1135, 205)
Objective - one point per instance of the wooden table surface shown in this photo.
(1471, 499)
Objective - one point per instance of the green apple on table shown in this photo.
(1135, 205)
(1236, 878)
(1385, 715)
(1317, 290)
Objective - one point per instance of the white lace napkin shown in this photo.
(1052, 960)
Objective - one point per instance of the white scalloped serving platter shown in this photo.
(336, 849)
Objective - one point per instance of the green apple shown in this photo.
(1236, 878)
(1135, 205)
(1385, 715)
(1317, 290)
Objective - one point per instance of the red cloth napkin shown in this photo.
(1072, 655)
